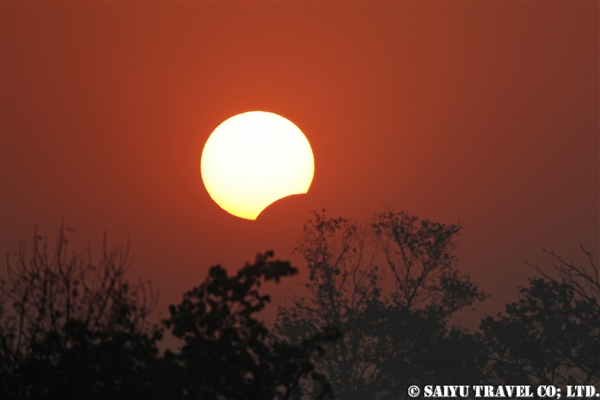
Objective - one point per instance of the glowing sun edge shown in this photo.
(253, 159)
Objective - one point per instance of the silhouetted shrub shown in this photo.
(71, 328)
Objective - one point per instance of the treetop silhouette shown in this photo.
(390, 287)
(376, 317)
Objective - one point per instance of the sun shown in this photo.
(254, 159)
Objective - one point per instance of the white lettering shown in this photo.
(427, 391)
(477, 389)
(590, 391)
(509, 390)
(446, 391)
(524, 391)
(500, 392)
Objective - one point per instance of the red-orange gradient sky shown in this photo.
(487, 113)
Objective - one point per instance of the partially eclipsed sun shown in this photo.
(254, 159)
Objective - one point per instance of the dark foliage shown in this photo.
(73, 329)
(551, 335)
(375, 318)
(390, 287)
(227, 352)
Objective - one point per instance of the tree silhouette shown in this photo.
(227, 352)
(71, 328)
(391, 288)
(551, 335)
(74, 329)
(375, 318)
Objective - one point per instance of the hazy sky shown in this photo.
(487, 113)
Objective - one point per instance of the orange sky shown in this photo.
(487, 113)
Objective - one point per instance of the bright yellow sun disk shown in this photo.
(253, 159)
